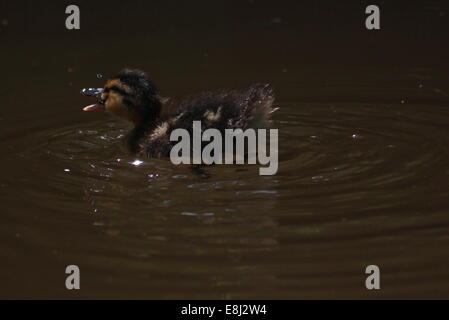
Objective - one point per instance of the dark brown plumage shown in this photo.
(131, 96)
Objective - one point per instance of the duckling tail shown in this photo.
(259, 108)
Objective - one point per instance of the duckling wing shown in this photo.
(227, 109)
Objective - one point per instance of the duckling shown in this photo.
(131, 96)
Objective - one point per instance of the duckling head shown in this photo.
(130, 95)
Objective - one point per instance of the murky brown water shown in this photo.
(363, 177)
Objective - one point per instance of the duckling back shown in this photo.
(228, 109)
(220, 109)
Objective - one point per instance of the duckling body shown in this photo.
(131, 96)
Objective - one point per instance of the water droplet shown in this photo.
(67, 170)
(402, 101)
(99, 76)
(137, 162)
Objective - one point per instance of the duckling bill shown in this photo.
(92, 92)
(131, 96)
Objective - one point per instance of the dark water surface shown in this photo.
(363, 173)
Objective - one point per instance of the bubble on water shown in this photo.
(356, 136)
(99, 76)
